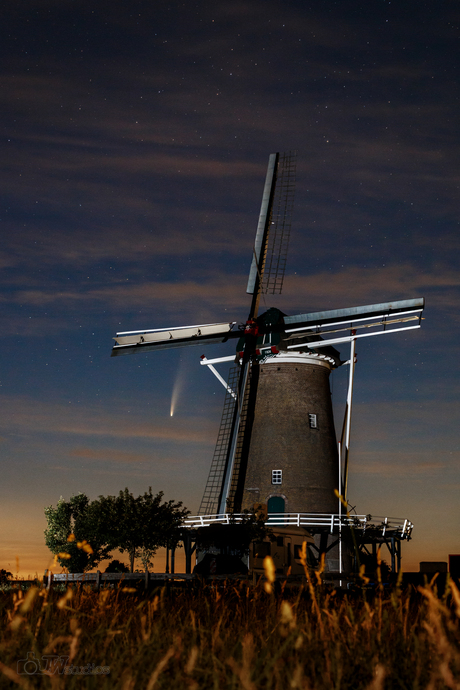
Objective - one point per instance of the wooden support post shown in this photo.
(323, 544)
(188, 552)
(393, 559)
(50, 580)
(398, 555)
(98, 580)
(167, 560)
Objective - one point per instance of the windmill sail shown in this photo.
(266, 275)
(212, 493)
(271, 244)
(133, 342)
(212, 497)
(260, 243)
(280, 227)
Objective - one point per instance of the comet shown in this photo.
(177, 388)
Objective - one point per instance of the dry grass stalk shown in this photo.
(235, 636)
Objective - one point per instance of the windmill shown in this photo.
(277, 445)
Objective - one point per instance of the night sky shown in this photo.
(135, 138)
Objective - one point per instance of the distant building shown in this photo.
(454, 565)
(433, 567)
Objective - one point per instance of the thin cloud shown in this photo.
(402, 464)
(218, 295)
(115, 455)
(23, 415)
(354, 284)
(128, 297)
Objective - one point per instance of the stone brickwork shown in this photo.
(282, 438)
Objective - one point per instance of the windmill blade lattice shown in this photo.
(212, 495)
(280, 225)
(210, 500)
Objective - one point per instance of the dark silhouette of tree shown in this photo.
(81, 533)
(5, 575)
(76, 534)
(140, 526)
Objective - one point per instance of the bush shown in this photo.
(116, 566)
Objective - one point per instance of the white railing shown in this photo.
(385, 525)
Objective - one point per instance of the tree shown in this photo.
(5, 575)
(76, 533)
(141, 525)
(81, 533)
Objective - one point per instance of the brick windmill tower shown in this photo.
(277, 443)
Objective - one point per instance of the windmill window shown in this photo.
(313, 421)
(277, 476)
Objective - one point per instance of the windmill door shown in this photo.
(276, 504)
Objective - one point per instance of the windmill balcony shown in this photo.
(316, 522)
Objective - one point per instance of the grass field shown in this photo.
(231, 635)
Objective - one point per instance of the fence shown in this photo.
(386, 526)
(98, 579)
